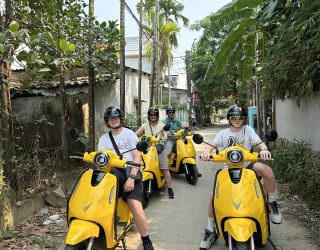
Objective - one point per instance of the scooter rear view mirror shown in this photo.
(272, 135)
(166, 127)
(142, 146)
(197, 138)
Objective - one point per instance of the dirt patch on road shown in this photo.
(295, 208)
(38, 231)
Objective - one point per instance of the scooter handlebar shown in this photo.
(133, 164)
(210, 158)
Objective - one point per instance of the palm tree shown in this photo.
(169, 16)
(122, 56)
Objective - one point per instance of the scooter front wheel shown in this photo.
(71, 247)
(192, 173)
(84, 245)
(236, 245)
(146, 195)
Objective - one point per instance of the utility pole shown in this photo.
(140, 65)
(169, 84)
(156, 25)
(91, 80)
(122, 57)
(188, 64)
(154, 56)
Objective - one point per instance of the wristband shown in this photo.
(133, 176)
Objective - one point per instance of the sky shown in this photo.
(194, 9)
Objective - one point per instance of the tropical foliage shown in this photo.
(61, 36)
(276, 41)
(170, 14)
(291, 68)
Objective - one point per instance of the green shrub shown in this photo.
(131, 121)
(297, 165)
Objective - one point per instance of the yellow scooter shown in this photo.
(182, 158)
(97, 216)
(239, 200)
(152, 177)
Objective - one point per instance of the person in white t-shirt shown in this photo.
(130, 187)
(238, 133)
(152, 127)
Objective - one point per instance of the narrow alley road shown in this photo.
(178, 224)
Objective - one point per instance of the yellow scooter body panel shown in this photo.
(151, 169)
(242, 200)
(97, 204)
(240, 229)
(184, 152)
(80, 230)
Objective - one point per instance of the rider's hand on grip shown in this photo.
(265, 154)
(206, 156)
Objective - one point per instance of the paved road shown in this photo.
(178, 224)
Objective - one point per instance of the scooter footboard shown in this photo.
(80, 230)
(240, 229)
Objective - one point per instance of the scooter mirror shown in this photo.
(197, 138)
(272, 135)
(166, 127)
(74, 133)
(142, 146)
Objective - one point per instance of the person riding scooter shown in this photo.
(238, 133)
(153, 127)
(119, 140)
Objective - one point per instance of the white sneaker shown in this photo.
(208, 239)
(275, 215)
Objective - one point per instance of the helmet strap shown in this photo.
(117, 127)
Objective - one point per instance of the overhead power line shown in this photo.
(149, 37)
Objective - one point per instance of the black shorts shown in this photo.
(136, 193)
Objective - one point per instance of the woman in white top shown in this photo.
(152, 127)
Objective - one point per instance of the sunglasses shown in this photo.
(153, 115)
(237, 117)
(112, 118)
(170, 113)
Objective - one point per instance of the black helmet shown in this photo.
(236, 110)
(168, 109)
(112, 111)
(153, 110)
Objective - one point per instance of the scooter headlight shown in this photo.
(235, 156)
(101, 159)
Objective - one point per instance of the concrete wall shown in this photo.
(299, 122)
(107, 96)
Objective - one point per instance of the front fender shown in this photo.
(240, 229)
(80, 230)
(146, 176)
(189, 161)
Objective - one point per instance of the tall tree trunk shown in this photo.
(169, 84)
(154, 83)
(188, 55)
(91, 80)
(122, 57)
(64, 118)
(5, 75)
(156, 32)
(153, 63)
(6, 126)
(63, 102)
(140, 67)
(258, 103)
